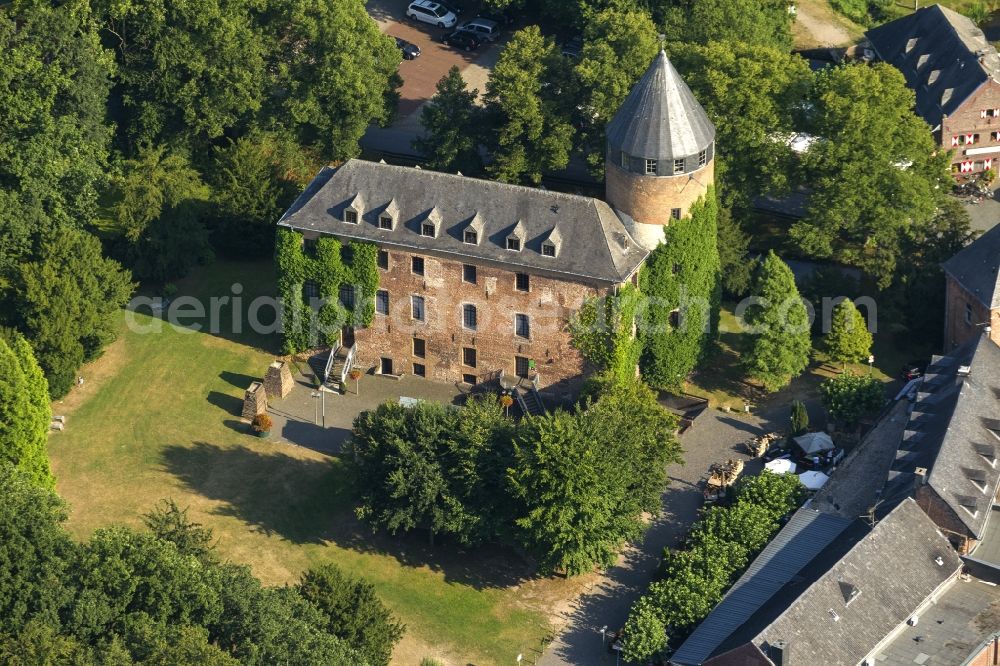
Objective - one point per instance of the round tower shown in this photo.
(660, 153)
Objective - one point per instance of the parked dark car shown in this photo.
(409, 49)
(461, 40)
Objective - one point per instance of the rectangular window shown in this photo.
(651, 167)
(385, 222)
(469, 273)
(419, 347)
(678, 166)
(469, 356)
(383, 259)
(382, 302)
(514, 243)
(351, 216)
(347, 296)
(522, 282)
(471, 237)
(469, 379)
(968, 314)
(310, 290)
(522, 326)
(417, 265)
(548, 250)
(417, 307)
(427, 229)
(419, 370)
(469, 316)
(675, 213)
(309, 246)
(522, 366)
(703, 158)
(624, 161)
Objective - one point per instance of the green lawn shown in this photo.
(158, 418)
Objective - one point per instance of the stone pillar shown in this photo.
(278, 381)
(255, 401)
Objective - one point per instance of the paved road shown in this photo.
(716, 436)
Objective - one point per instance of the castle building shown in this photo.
(972, 291)
(954, 72)
(478, 277)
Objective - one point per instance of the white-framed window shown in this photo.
(470, 316)
(703, 158)
(428, 229)
(417, 308)
(470, 237)
(651, 167)
(351, 216)
(385, 222)
(522, 326)
(514, 243)
(678, 166)
(548, 250)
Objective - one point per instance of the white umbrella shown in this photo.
(780, 466)
(814, 442)
(813, 480)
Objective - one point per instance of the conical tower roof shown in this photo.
(660, 119)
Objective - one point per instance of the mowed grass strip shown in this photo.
(166, 424)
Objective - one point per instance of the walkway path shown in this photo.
(716, 436)
(817, 25)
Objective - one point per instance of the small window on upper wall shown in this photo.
(514, 243)
(382, 302)
(383, 259)
(522, 282)
(469, 316)
(419, 347)
(351, 216)
(522, 326)
(310, 290)
(417, 307)
(651, 167)
(417, 265)
(469, 273)
(703, 158)
(678, 166)
(309, 246)
(675, 213)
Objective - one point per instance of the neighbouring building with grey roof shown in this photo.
(479, 278)
(955, 73)
(828, 590)
(947, 458)
(972, 291)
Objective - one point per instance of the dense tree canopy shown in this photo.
(452, 125)
(24, 411)
(849, 340)
(873, 170)
(759, 23)
(780, 325)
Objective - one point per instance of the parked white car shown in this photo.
(434, 13)
(485, 29)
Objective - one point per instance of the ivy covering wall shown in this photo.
(331, 266)
(681, 283)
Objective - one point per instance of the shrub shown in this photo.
(262, 423)
(799, 418)
(848, 397)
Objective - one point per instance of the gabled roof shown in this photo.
(660, 119)
(977, 268)
(595, 245)
(942, 54)
(949, 434)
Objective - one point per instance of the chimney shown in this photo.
(779, 653)
(921, 474)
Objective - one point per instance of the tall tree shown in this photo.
(531, 137)
(780, 325)
(619, 43)
(761, 23)
(54, 82)
(452, 126)
(68, 297)
(751, 93)
(356, 614)
(874, 170)
(187, 71)
(681, 283)
(336, 72)
(849, 339)
(24, 411)
(735, 264)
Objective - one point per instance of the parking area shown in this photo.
(421, 75)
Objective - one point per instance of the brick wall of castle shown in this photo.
(944, 517)
(548, 304)
(963, 314)
(650, 199)
(968, 119)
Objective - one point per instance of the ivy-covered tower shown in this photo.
(660, 153)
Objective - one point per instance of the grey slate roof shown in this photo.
(894, 571)
(660, 119)
(951, 433)
(977, 268)
(593, 244)
(805, 535)
(937, 39)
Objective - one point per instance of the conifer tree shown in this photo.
(849, 339)
(451, 122)
(24, 411)
(780, 323)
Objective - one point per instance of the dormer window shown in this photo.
(385, 222)
(988, 452)
(933, 76)
(350, 216)
(548, 249)
(354, 209)
(550, 245)
(470, 237)
(514, 243)
(968, 502)
(910, 44)
(922, 60)
(946, 96)
(650, 167)
(978, 478)
(428, 229)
